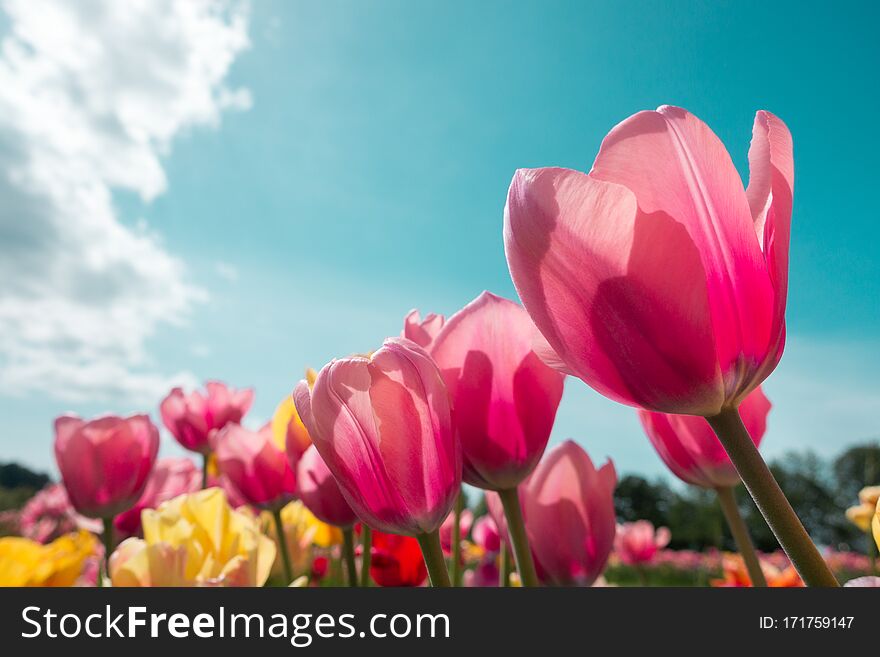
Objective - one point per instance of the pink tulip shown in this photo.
(484, 574)
(170, 478)
(570, 519)
(318, 490)
(255, 466)
(505, 397)
(689, 447)
(422, 331)
(193, 418)
(49, 515)
(446, 529)
(485, 534)
(656, 278)
(383, 426)
(864, 582)
(637, 542)
(105, 462)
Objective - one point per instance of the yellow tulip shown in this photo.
(196, 539)
(303, 531)
(286, 422)
(24, 562)
(876, 524)
(860, 515)
(870, 495)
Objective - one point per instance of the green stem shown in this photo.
(741, 535)
(642, 575)
(516, 527)
(107, 537)
(770, 499)
(504, 571)
(366, 546)
(282, 544)
(456, 540)
(348, 556)
(205, 459)
(433, 555)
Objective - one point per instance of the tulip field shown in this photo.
(656, 278)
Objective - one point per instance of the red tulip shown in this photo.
(638, 542)
(105, 462)
(318, 490)
(505, 397)
(689, 447)
(383, 426)
(396, 560)
(255, 466)
(570, 520)
(656, 278)
(422, 331)
(170, 478)
(193, 418)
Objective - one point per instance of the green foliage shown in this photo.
(819, 491)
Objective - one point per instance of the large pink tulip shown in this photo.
(318, 490)
(422, 331)
(637, 542)
(192, 419)
(105, 462)
(656, 278)
(689, 447)
(255, 466)
(170, 478)
(569, 509)
(505, 397)
(383, 426)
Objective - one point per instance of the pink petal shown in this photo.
(618, 294)
(676, 166)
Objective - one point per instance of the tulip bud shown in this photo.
(691, 450)
(318, 490)
(505, 397)
(192, 419)
(255, 466)
(383, 426)
(105, 462)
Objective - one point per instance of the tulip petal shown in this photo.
(618, 294)
(770, 195)
(698, 186)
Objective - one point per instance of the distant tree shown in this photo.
(856, 468)
(13, 475)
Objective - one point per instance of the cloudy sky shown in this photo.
(194, 190)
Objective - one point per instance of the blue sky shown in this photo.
(357, 167)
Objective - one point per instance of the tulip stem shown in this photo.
(504, 575)
(434, 560)
(516, 527)
(456, 540)
(741, 535)
(348, 555)
(107, 537)
(366, 547)
(282, 544)
(205, 459)
(770, 499)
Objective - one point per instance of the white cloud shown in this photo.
(92, 94)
